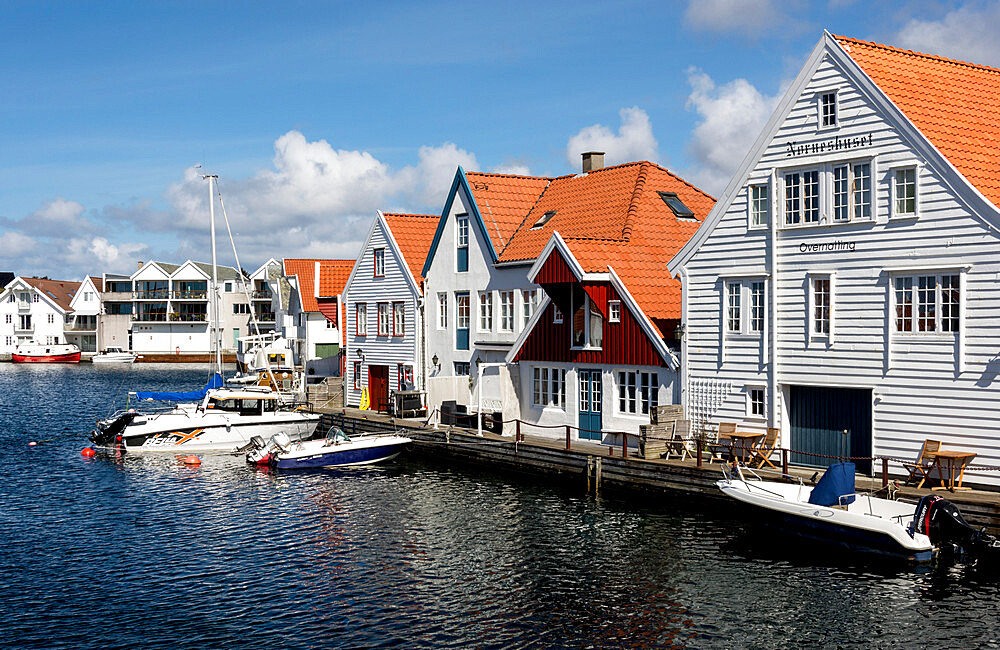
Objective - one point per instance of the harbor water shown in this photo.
(143, 551)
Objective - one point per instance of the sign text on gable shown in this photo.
(833, 144)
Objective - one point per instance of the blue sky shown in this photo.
(316, 114)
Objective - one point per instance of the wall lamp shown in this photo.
(361, 354)
(435, 361)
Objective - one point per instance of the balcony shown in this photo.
(188, 318)
(23, 306)
(265, 317)
(150, 318)
(196, 294)
(80, 328)
(156, 294)
(262, 294)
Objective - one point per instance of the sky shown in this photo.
(316, 114)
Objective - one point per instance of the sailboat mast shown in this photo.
(216, 332)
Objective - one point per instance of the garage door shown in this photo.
(819, 418)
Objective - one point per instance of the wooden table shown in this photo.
(746, 440)
(948, 461)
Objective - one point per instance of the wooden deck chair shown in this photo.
(918, 470)
(762, 454)
(679, 440)
(723, 444)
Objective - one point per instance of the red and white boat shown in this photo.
(55, 353)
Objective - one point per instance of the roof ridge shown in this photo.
(408, 214)
(503, 175)
(935, 57)
(633, 205)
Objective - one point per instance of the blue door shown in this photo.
(590, 404)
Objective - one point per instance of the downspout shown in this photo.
(772, 329)
(683, 379)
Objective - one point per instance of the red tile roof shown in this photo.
(503, 200)
(98, 282)
(60, 291)
(616, 217)
(413, 234)
(332, 278)
(956, 105)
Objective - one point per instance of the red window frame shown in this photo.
(375, 263)
(402, 330)
(404, 374)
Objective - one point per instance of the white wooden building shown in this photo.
(383, 309)
(33, 310)
(847, 278)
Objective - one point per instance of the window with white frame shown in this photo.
(461, 368)
(383, 319)
(756, 305)
(904, 192)
(506, 311)
(927, 304)
(462, 309)
(9, 319)
(840, 192)
(379, 262)
(357, 375)
(443, 310)
(614, 311)
(485, 311)
(527, 304)
(398, 319)
(548, 386)
(861, 191)
(828, 110)
(557, 316)
(749, 292)
(330, 325)
(802, 197)
(11, 298)
(34, 298)
(462, 242)
(821, 303)
(361, 319)
(10, 340)
(25, 321)
(51, 319)
(588, 323)
(637, 392)
(734, 299)
(759, 206)
(755, 402)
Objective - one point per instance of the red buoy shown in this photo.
(88, 452)
(192, 460)
(32, 443)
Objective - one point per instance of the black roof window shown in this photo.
(674, 202)
(544, 219)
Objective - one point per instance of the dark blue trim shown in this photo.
(478, 220)
(342, 457)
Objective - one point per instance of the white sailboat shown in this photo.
(212, 419)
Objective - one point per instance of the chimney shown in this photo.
(140, 265)
(592, 161)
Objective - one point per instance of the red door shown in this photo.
(378, 387)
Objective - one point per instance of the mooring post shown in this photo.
(567, 437)
(784, 462)
(624, 445)
(590, 468)
(597, 474)
(698, 449)
(885, 472)
(517, 431)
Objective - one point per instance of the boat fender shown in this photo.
(192, 460)
(32, 443)
(88, 452)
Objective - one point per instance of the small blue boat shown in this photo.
(336, 450)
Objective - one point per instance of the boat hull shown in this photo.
(113, 358)
(315, 453)
(69, 357)
(187, 434)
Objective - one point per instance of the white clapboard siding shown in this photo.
(920, 388)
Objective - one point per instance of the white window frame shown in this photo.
(745, 306)
(894, 212)
(485, 311)
(356, 370)
(548, 387)
(827, 197)
(762, 391)
(507, 311)
(384, 318)
(820, 115)
(361, 319)
(915, 290)
(557, 316)
(528, 298)
(378, 263)
(753, 202)
(638, 391)
(813, 305)
(398, 318)
(463, 321)
(614, 311)
(442, 310)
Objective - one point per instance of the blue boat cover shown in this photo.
(838, 481)
(190, 396)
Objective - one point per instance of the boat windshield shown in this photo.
(243, 405)
(336, 434)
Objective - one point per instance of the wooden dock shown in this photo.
(595, 467)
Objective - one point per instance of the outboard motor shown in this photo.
(108, 431)
(942, 522)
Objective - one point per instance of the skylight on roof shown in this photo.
(674, 202)
(544, 219)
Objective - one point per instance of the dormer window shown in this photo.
(544, 219)
(462, 242)
(677, 206)
(828, 110)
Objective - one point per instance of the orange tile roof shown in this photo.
(503, 200)
(332, 278)
(615, 217)
(956, 105)
(413, 234)
(98, 283)
(60, 291)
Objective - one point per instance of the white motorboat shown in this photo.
(114, 355)
(336, 450)
(224, 420)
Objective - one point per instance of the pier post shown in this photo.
(784, 462)
(590, 468)
(885, 472)
(517, 430)
(597, 474)
(567, 437)
(698, 446)
(624, 445)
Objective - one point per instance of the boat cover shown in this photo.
(838, 481)
(190, 396)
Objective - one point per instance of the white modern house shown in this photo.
(844, 288)
(311, 312)
(384, 309)
(33, 310)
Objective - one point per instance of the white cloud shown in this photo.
(967, 33)
(109, 255)
(512, 167)
(731, 117)
(749, 18)
(634, 140)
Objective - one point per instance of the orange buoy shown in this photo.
(88, 452)
(192, 460)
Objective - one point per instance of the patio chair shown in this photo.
(678, 441)
(921, 468)
(723, 444)
(762, 454)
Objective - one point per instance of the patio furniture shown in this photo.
(762, 455)
(723, 444)
(679, 439)
(950, 462)
(919, 470)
